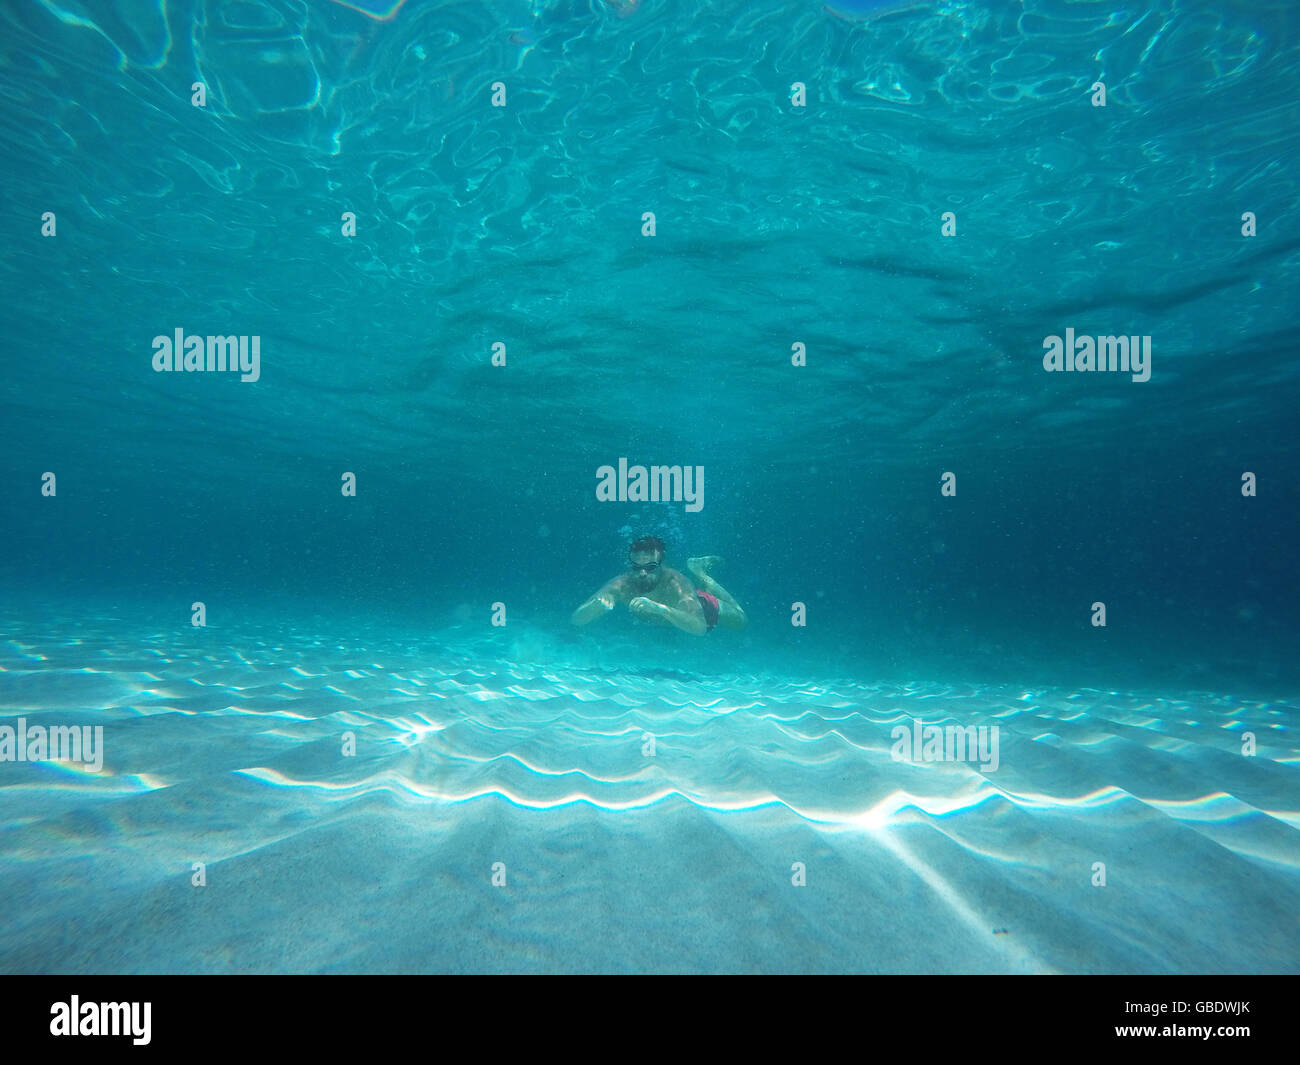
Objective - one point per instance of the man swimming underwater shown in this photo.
(655, 593)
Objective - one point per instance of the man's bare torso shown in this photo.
(673, 590)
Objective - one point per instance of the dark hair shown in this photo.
(647, 543)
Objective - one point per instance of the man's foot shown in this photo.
(701, 566)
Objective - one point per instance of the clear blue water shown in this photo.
(775, 224)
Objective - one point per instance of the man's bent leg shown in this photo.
(730, 615)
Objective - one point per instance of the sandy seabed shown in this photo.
(499, 816)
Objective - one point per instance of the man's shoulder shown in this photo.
(683, 582)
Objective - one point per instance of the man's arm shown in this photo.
(601, 603)
(685, 619)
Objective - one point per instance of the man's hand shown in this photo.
(645, 608)
(596, 607)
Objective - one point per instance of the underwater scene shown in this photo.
(648, 486)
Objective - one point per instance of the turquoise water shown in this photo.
(484, 733)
